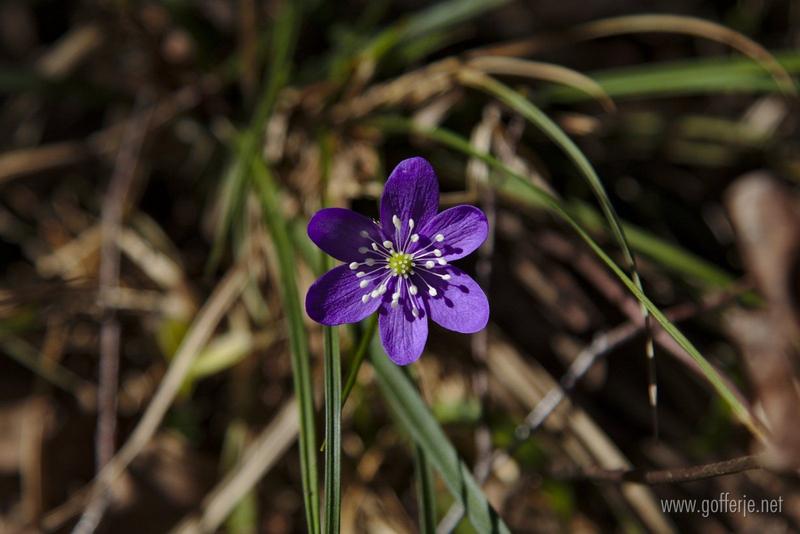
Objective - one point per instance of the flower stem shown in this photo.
(333, 430)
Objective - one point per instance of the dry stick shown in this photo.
(596, 274)
(667, 476)
(196, 338)
(119, 189)
(599, 347)
(260, 456)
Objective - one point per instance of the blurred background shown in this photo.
(159, 162)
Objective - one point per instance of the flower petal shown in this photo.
(464, 229)
(411, 192)
(403, 335)
(337, 231)
(460, 304)
(335, 298)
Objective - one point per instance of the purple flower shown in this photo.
(400, 266)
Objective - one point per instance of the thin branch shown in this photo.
(666, 476)
(120, 186)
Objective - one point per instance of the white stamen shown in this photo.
(415, 313)
(437, 252)
(364, 233)
(414, 238)
(411, 224)
(394, 304)
(365, 299)
(442, 261)
(374, 293)
(439, 238)
(429, 264)
(370, 262)
(353, 266)
(396, 221)
(375, 247)
(388, 244)
(363, 284)
(446, 277)
(360, 274)
(363, 250)
(413, 290)
(432, 292)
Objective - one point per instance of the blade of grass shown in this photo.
(697, 27)
(333, 429)
(679, 77)
(359, 356)
(426, 496)
(410, 409)
(553, 205)
(297, 340)
(234, 187)
(540, 120)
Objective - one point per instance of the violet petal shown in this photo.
(337, 231)
(403, 335)
(411, 192)
(460, 304)
(335, 298)
(464, 229)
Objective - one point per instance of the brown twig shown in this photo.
(119, 188)
(667, 476)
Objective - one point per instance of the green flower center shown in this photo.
(400, 263)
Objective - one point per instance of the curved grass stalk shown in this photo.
(553, 205)
(549, 72)
(540, 120)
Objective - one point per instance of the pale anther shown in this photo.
(364, 233)
(370, 262)
(363, 284)
(429, 264)
(353, 266)
(387, 244)
(411, 224)
(432, 292)
(413, 290)
(437, 252)
(439, 238)
(365, 299)
(396, 221)
(446, 277)
(414, 312)
(363, 250)
(414, 238)
(442, 261)
(359, 274)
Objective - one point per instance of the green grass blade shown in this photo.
(680, 77)
(301, 374)
(359, 356)
(410, 409)
(547, 201)
(541, 121)
(333, 430)
(426, 494)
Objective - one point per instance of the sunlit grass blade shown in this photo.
(512, 66)
(672, 78)
(413, 414)
(539, 119)
(333, 430)
(697, 27)
(553, 205)
(301, 374)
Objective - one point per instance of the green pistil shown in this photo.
(400, 263)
